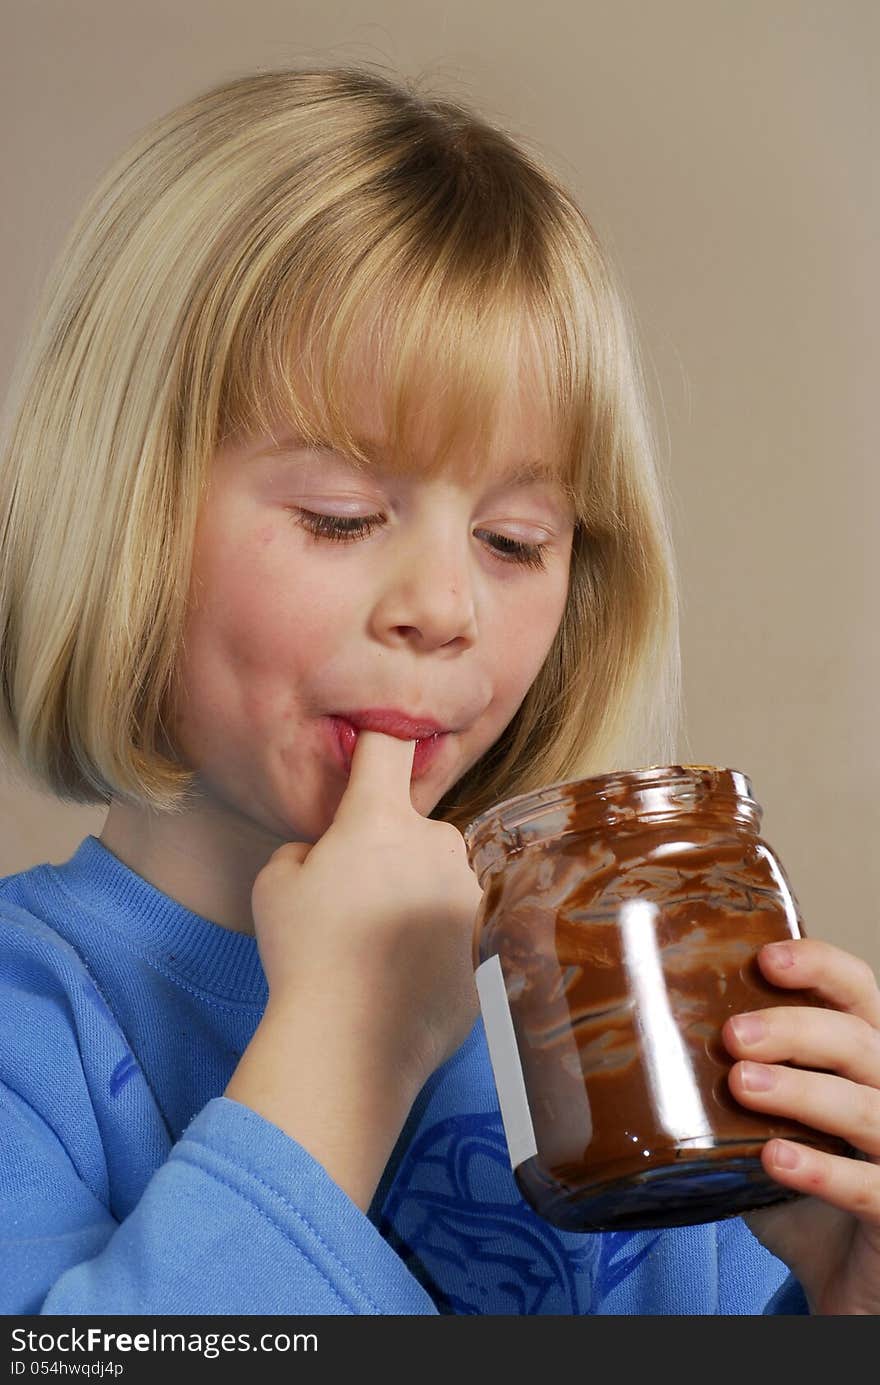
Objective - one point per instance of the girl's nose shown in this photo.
(429, 599)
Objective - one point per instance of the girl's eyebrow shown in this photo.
(523, 473)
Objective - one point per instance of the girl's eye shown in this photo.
(346, 528)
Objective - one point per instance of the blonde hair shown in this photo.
(217, 280)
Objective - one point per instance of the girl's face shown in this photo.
(319, 589)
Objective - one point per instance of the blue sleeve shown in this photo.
(240, 1219)
(751, 1279)
(789, 1298)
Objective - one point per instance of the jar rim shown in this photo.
(510, 812)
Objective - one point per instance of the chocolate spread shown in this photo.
(626, 912)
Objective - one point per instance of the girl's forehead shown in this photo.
(509, 404)
(519, 439)
(507, 462)
(412, 417)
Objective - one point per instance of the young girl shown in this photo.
(330, 518)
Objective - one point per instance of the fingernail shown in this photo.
(748, 1028)
(781, 955)
(756, 1077)
(785, 1156)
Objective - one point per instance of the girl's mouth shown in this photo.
(343, 736)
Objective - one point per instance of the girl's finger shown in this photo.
(853, 1185)
(810, 1037)
(828, 1103)
(836, 976)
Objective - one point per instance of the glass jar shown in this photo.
(619, 926)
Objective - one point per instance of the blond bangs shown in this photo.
(454, 337)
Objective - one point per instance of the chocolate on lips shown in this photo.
(626, 912)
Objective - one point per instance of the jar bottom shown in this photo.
(703, 1190)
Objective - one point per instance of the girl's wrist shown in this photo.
(336, 1097)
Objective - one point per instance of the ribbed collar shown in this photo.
(194, 948)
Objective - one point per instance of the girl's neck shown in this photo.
(201, 859)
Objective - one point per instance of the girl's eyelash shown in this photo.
(346, 528)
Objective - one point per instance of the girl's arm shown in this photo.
(238, 1219)
(316, 1079)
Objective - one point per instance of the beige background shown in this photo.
(726, 153)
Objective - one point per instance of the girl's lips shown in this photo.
(342, 737)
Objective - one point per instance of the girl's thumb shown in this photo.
(292, 853)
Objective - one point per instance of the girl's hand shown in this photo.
(830, 1240)
(374, 921)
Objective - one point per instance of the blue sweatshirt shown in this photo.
(130, 1185)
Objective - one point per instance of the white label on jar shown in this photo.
(509, 1082)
